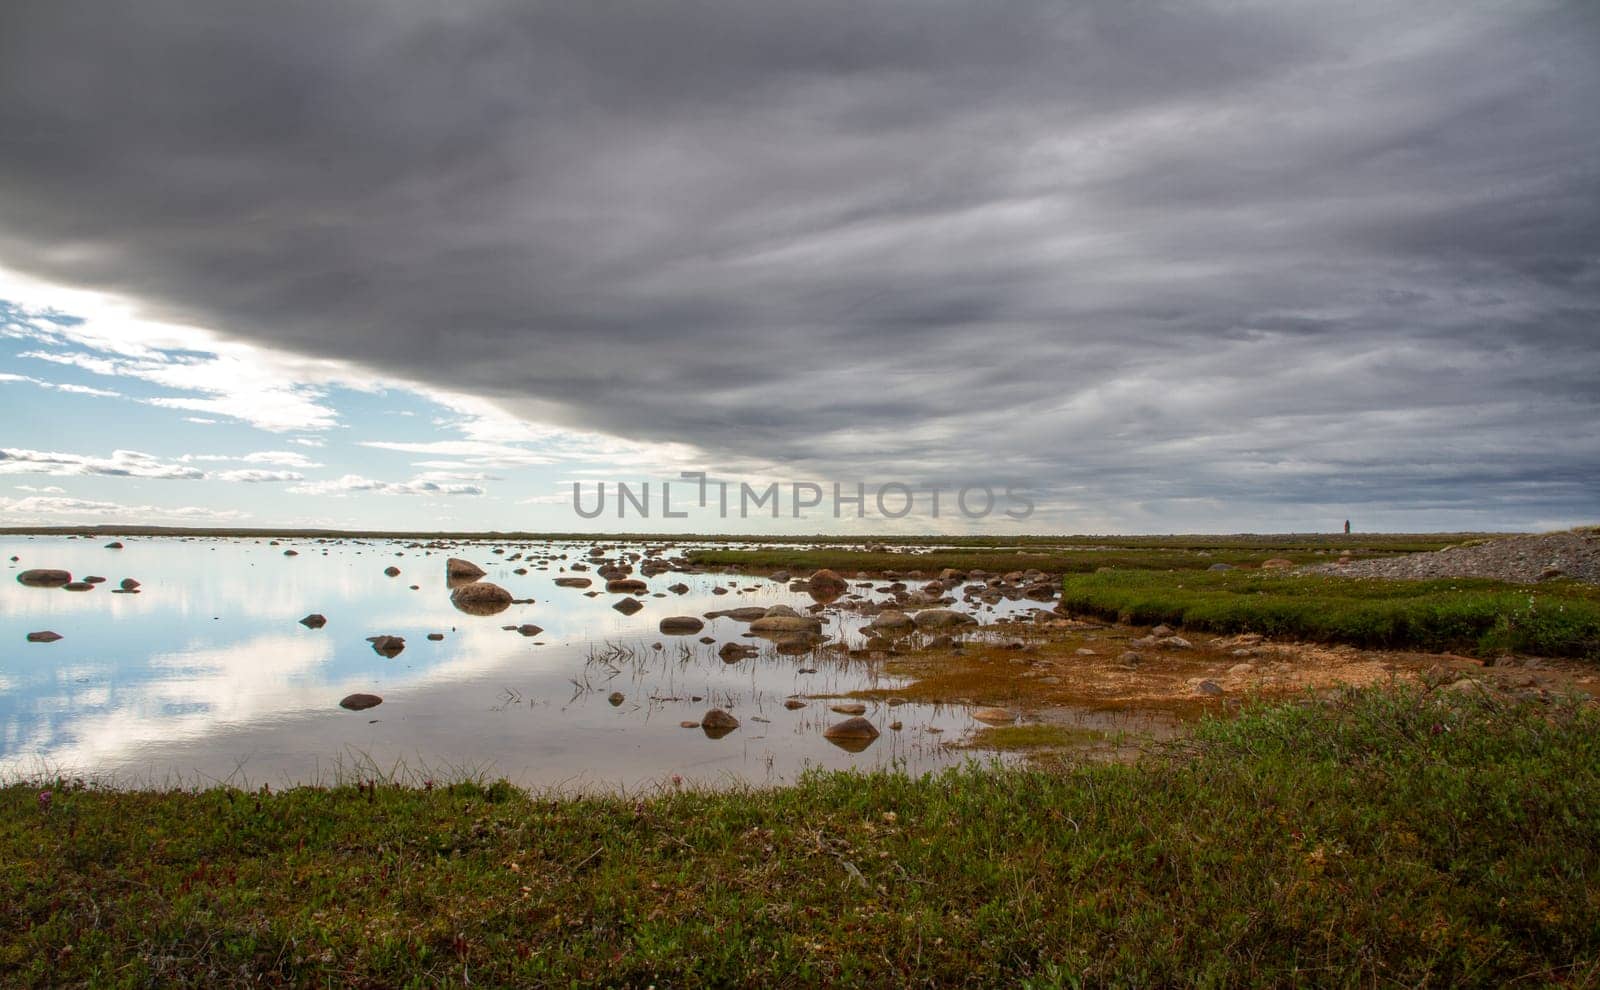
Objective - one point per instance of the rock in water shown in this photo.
(44, 577)
(392, 571)
(114, 545)
(826, 584)
(45, 636)
(481, 598)
(457, 569)
(717, 723)
(786, 623)
(77, 586)
(681, 625)
(573, 582)
(626, 586)
(993, 716)
(849, 708)
(312, 621)
(890, 622)
(942, 618)
(852, 735)
(628, 606)
(387, 646)
(360, 702)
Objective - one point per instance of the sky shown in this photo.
(1157, 267)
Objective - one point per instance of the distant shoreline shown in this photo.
(1131, 540)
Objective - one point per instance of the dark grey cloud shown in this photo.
(1238, 254)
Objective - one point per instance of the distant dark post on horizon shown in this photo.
(1347, 527)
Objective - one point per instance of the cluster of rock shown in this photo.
(1571, 554)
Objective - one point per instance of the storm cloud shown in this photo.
(1233, 255)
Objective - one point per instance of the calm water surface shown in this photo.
(207, 673)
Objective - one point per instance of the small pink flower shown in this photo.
(44, 800)
(677, 781)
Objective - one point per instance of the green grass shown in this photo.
(1388, 839)
(1050, 560)
(1487, 617)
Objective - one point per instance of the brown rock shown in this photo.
(853, 734)
(481, 598)
(717, 723)
(462, 570)
(360, 702)
(44, 577)
(387, 646)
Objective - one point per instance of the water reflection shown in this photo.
(219, 668)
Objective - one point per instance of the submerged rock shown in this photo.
(77, 586)
(734, 652)
(44, 577)
(314, 621)
(45, 636)
(826, 584)
(387, 646)
(786, 623)
(616, 698)
(717, 723)
(748, 613)
(457, 569)
(994, 716)
(852, 735)
(573, 582)
(849, 708)
(628, 606)
(529, 629)
(392, 571)
(890, 622)
(481, 598)
(360, 702)
(942, 618)
(114, 545)
(681, 625)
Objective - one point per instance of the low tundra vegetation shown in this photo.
(1560, 619)
(1389, 836)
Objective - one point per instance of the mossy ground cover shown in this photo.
(1560, 619)
(1051, 560)
(1388, 838)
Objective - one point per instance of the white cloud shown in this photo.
(258, 476)
(271, 390)
(309, 441)
(46, 490)
(44, 508)
(352, 484)
(105, 393)
(121, 464)
(275, 458)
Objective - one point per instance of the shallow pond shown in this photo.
(206, 674)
